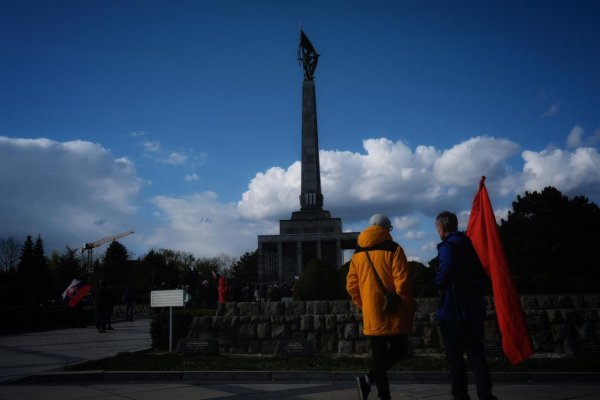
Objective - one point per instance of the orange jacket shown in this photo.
(366, 292)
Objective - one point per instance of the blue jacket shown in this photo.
(460, 278)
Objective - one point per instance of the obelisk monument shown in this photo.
(311, 232)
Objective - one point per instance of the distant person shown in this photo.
(223, 290)
(128, 300)
(460, 278)
(109, 307)
(100, 304)
(377, 254)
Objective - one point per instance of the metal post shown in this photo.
(170, 329)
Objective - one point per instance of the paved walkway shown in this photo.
(43, 355)
(32, 353)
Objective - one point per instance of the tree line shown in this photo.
(549, 239)
(28, 277)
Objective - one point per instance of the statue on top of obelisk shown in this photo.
(308, 56)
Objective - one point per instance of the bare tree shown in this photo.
(9, 253)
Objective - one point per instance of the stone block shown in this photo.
(201, 323)
(293, 321)
(330, 322)
(564, 302)
(547, 302)
(430, 337)
(248, 330)
(588, 315)
(542, 341)
(273, 308)
(529, 303)
(339, 307)
(249, 308)
(362, 346)
(231, 309)
(345, 348)
(354, 309)
(319, 323)
(578, 302)
(490, 306)
(279, 331)
(592, 301)
(554, 316)
(225, 323)
(350, 331)
(220, 310)
(295, 308)
(537, 319)
(314, 338)
(306, 322)
(263, 330)
(328, 343)
(316, 307)
(415, 341)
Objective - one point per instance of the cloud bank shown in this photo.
(77, 191)
(69, 193)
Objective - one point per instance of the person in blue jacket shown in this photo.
(460, 279)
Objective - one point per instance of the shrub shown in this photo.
(319, 281)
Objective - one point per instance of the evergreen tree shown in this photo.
(33, 272)
(64, 267)
(246, 268)
(550, 242)
(115, 266)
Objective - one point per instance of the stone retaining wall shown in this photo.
(567, 325)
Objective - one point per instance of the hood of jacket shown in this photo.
(373, 235)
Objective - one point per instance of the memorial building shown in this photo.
(311, 232)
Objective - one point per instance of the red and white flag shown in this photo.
(483, 232)
(75, 292)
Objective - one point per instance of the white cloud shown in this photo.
(389, 178)
(464, 163)
(155, 150)
(202, 225)
(553, 110)
(69, 193)
(192, 177)
(405, 222)
(414, 235)
(573, 173)
(575, 137)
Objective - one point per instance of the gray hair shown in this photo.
(447, 221)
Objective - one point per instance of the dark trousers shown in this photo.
(466, 337)
(386, 351)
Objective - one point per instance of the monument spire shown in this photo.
(311, 198)
(311, 232)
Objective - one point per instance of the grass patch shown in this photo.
(150, 361)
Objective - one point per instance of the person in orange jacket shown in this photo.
(388, 331)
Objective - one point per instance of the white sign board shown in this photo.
(166, 298)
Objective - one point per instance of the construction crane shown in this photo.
(89, 247)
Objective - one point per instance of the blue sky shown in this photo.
(181, 119)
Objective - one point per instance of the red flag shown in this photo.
(75, 292)
(483, 232)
